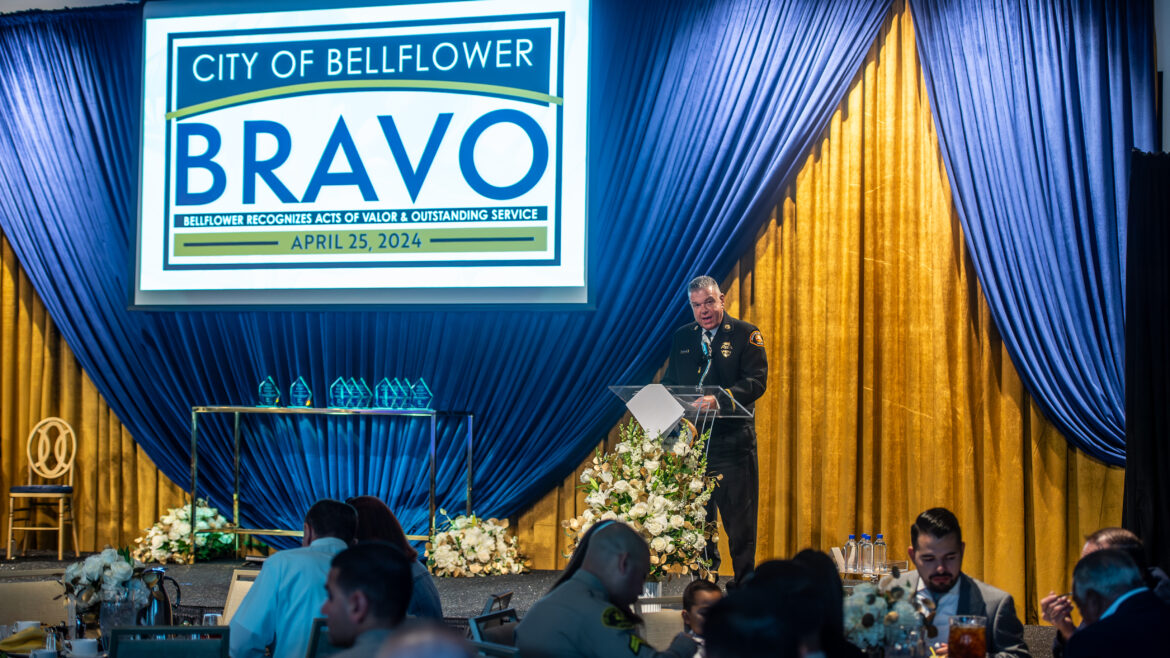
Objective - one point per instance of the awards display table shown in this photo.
(426, 415)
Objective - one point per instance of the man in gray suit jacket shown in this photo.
(937, 552)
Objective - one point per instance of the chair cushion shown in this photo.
(41, 488)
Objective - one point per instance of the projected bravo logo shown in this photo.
(396, 144)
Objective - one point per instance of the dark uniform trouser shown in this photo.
(733, 454)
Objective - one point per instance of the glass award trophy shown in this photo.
(398, 393)
(269, 393)
(361, 393)
(339, 396)
(382, 394)
(420, 395)
(299, 394)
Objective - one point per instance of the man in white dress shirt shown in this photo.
(279, 609)
(937, 552)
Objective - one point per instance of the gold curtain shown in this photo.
(117, 489)
(890, 390)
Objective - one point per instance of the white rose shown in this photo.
(677, 521)
(621, 486)
(183, 528)
(607, 476)
(121, 570)
(623, 448)
(658, 544)
(696, 485)
(93, 568)
(681, 448)
(699, 543)
(654, 526)
(586, 474)
(609, 516)
(587, 515)
(651, 465)
(638, 510)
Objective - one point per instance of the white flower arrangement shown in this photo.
(168, 540)
(881, 615)
(109, 576)
(471, 546)
(660, 488)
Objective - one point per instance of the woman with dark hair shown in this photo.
(830, 598)
(377, 523)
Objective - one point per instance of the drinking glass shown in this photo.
(968, 637)
(212, 619)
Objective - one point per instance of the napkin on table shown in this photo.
(24, 641)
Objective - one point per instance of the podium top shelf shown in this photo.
(312, 411)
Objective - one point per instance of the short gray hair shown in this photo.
(702, 282)
(1109, 572)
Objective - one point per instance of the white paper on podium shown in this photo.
(655, 409)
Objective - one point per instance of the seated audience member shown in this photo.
(937, 552)
(773, 615)
(425, 638)
(1122, 616)
(279, 609)
(1057, 610)
(368, 588)
(377, 522)
(697, 598)
(829, 598)
(588, 613)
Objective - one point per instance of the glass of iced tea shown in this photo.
(968, 638)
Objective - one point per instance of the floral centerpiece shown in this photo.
(107, 577)
(473, 546)
(887, 614)
(660, 488)
(169, 539)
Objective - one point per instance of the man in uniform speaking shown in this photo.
(734, 352)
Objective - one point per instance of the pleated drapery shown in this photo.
(890, 390)
(118, 492)
(1037, 106)
(700, 110)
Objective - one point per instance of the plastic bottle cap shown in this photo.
(879, 535)
(852, 537)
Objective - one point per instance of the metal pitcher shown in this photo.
(159, 611)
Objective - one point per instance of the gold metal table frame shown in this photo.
(237, 411)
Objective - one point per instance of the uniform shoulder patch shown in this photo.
(756, 338)
(636, 644)
(612, 617)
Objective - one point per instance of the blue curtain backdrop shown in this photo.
(700, 110)
(1037, 106)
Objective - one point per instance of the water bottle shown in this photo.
(865, 562)
(851, 554)
(879, 555)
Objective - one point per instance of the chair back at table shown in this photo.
(241, 582)
(492, 650)
(495, 627)
(32, 601)
(319, 644)
(170, 641)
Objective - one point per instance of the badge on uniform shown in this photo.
(615, 618)
(725, 349)
(756, 338)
